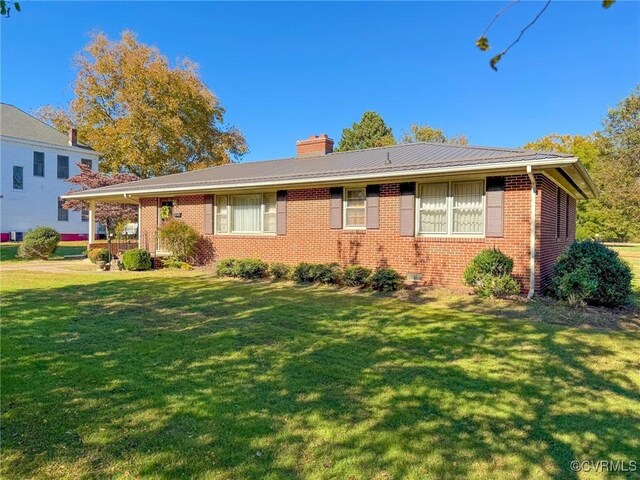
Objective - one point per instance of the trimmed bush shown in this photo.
(496, 286)
(489, 274)
(226, 267)
(279, 271)
(136, 259)
(589, 272)
(98, 255)
(250, 268)
(356, 276)
(304, 273)
(329, 273)
(488, 262)
(40, 242)
(179, 238)
(386, 280)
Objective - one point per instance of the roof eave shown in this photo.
(299, 183)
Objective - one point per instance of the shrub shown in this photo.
(40, 242)
(304, 273)
(386, 280)
(356, 276)
(496, 286)
(226, 267)
(250, 268)
(329, 273)
(173, 262)
(488, 262)
(489, 274)
(136, 259)
(589, 272)
(98, 255)
(279, 271)
(179, 238)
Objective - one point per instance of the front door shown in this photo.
(165, 213)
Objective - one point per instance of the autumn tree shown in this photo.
(612, 157)
(370, 132)
(425, 133)
(108, 214)
(143, 115)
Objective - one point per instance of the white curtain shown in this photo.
(468, 212)
(270, 213)
(246, 213)
(433, 208)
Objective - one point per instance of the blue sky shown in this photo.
(285, 71)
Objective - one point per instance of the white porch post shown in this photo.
(92, 222)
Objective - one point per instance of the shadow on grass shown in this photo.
(182, 377)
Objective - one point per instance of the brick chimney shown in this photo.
(73, 137)
(314, 145)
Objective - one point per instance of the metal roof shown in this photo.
(17, 123)
(376, 162)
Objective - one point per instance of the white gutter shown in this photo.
(532, 235)
(341, 178)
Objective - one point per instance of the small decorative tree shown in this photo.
(108, 214)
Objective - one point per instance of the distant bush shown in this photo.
(250, 268)
(386, 280)
(589, 272)
(136, 259)
(226, 267)
(356, 276)
(40, 242)
(179, 238)
(489, 274)
(279, 271)
(98, 255)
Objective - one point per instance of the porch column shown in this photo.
(92, 222)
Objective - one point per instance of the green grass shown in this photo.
(9, 251)
(173, 374)
(631, 254)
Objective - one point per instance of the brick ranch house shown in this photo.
(423, 209)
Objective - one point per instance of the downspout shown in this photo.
(532, 235)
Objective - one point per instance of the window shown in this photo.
(451, 208)
(84, 215)
(38, 164)
(18, 178)
(63, 213)
(245, 214)
(63, 166)
(468, 207)
(270, 213)
(87, 161)
(433, 208)
(355, 208)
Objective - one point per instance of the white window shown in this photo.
(270, 213)
(432, 207)
(451, 208)
(355, 208)
(245, 214)
(222, 214)
(468, 207)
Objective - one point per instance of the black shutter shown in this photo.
(495, 207)
(335, 207)
(281, 212)
(407, 209)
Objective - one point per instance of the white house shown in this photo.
(36, 161)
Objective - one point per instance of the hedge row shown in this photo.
(382, 279)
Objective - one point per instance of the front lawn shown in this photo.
(9, 251)
(173, 374)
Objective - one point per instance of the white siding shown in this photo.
(37, 203)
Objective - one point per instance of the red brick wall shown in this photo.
(441, 261)
(550, 242)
